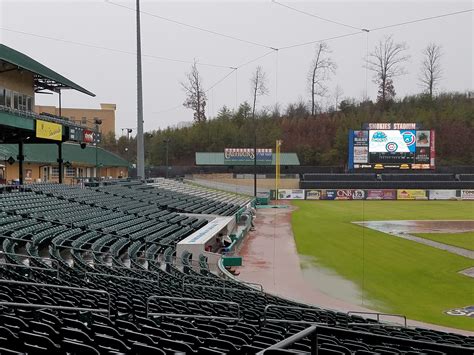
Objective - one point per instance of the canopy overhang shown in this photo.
(44, 77)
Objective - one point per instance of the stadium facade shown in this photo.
(85, 116)
(33, 144)
(41, 165)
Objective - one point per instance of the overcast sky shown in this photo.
(111, 75)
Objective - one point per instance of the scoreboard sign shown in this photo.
(391, 146)
(245, 156)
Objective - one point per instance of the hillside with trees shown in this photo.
(319, 139)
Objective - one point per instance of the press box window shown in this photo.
(70, 172)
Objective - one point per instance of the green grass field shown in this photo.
(461, 240)
(395, 275)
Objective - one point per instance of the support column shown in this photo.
(140, 138)
(60, 162)
(20, 158)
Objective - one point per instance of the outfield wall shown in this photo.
(374, 194)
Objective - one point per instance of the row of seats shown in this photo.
(389, 177)
(423, 185)
(100, 278)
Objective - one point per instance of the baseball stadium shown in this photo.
(244, 251)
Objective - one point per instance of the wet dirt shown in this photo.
(270, 258)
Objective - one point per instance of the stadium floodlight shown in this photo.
(140, 138)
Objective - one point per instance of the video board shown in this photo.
(380, 146)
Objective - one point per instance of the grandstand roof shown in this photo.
(73, 153)
(45, 78)
(210, 158)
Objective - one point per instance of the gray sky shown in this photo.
(112, 76)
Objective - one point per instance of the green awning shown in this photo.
(73, 153)
(45, 78)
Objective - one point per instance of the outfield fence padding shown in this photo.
(373, 194)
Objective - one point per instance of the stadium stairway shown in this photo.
(94, 271)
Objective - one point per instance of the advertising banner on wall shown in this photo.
(358, 194)
(246, 156)
(381, 194)
(313, 194)
(328, 194)
(423, 139)
(291, 194)
(442, 194)
(432, 149)
(467, 194)
(49, 130)
(361, 154)
(343, 194)
(411, 195)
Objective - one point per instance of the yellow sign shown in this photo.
(49, 130)
(411, 195)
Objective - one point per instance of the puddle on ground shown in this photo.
(330, 283)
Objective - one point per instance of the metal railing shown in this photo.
(197, 300)
(225, 289)
(314, 331)
(378, 314)
(152, 273)
(32, 257)
(33, 115)
(281, 320)
(121, 277)
(225, 282)
(31, 268)
(286, 343)
(36, 284)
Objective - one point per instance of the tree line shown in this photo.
(320, 139)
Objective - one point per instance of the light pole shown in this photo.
(140, 138)
(97, 122)
(167, 141)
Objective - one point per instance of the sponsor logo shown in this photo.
(49, 130)
(247, 154)
(313, 194)
(467, 311)
(88, 136)
(467, 194)
(379, 137)
(409, 138)
(343, 194)
(391, 147)
(358, 194)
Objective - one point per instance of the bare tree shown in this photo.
(321, 68)
(386, 62)
(259, 88)
(258, 84)
(195, 94)
(431, 71)
(338, 92)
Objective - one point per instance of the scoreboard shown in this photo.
(391, 146)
